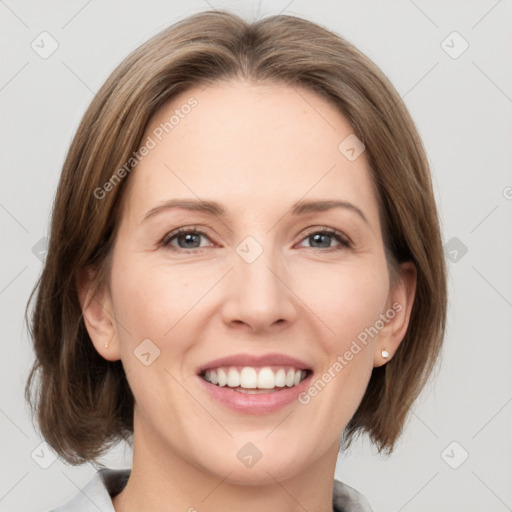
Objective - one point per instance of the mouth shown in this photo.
(255, 380)
(255, 384)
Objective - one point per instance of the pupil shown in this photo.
(190, 238)
(318, 238)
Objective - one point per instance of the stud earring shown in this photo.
(106, 344)
(385, 353)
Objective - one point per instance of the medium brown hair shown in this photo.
(83, 402)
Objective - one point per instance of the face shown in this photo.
(230, 266)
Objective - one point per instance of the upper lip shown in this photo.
(255, 361)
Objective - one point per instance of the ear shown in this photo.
(397, 315)
(96, 307)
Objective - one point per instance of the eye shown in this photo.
(189, 239)
(322, 239)
(185, 238)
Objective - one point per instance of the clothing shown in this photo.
(98, 493)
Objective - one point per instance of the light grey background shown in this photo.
(462, 108)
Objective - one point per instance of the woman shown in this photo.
(245, 271)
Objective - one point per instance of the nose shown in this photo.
(259, 294)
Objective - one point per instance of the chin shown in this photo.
(250, 467)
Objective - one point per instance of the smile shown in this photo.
(253, 380)
(255, 383)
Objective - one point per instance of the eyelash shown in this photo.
(344, 242)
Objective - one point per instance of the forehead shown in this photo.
(251, 147)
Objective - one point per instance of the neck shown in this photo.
(162, 480)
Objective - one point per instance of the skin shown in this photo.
(256, 149)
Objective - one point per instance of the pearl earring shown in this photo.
(106, 344)
(385, 353)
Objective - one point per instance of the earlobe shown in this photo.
(400, 302)
(97, 314)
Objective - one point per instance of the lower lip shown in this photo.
(261, 403)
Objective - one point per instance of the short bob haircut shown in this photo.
(83, 402)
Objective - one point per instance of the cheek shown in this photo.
(347, 299)
(349, 305)
(150, 300)
(152, 304)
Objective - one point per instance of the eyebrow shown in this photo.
(215, 208)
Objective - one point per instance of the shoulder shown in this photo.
(97, 494)
(348, 499)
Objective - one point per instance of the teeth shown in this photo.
(280, 378)
(221, 374)
(289, 378)
(249, 378)
(233, 378)
(214, 379)
(266, 379)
